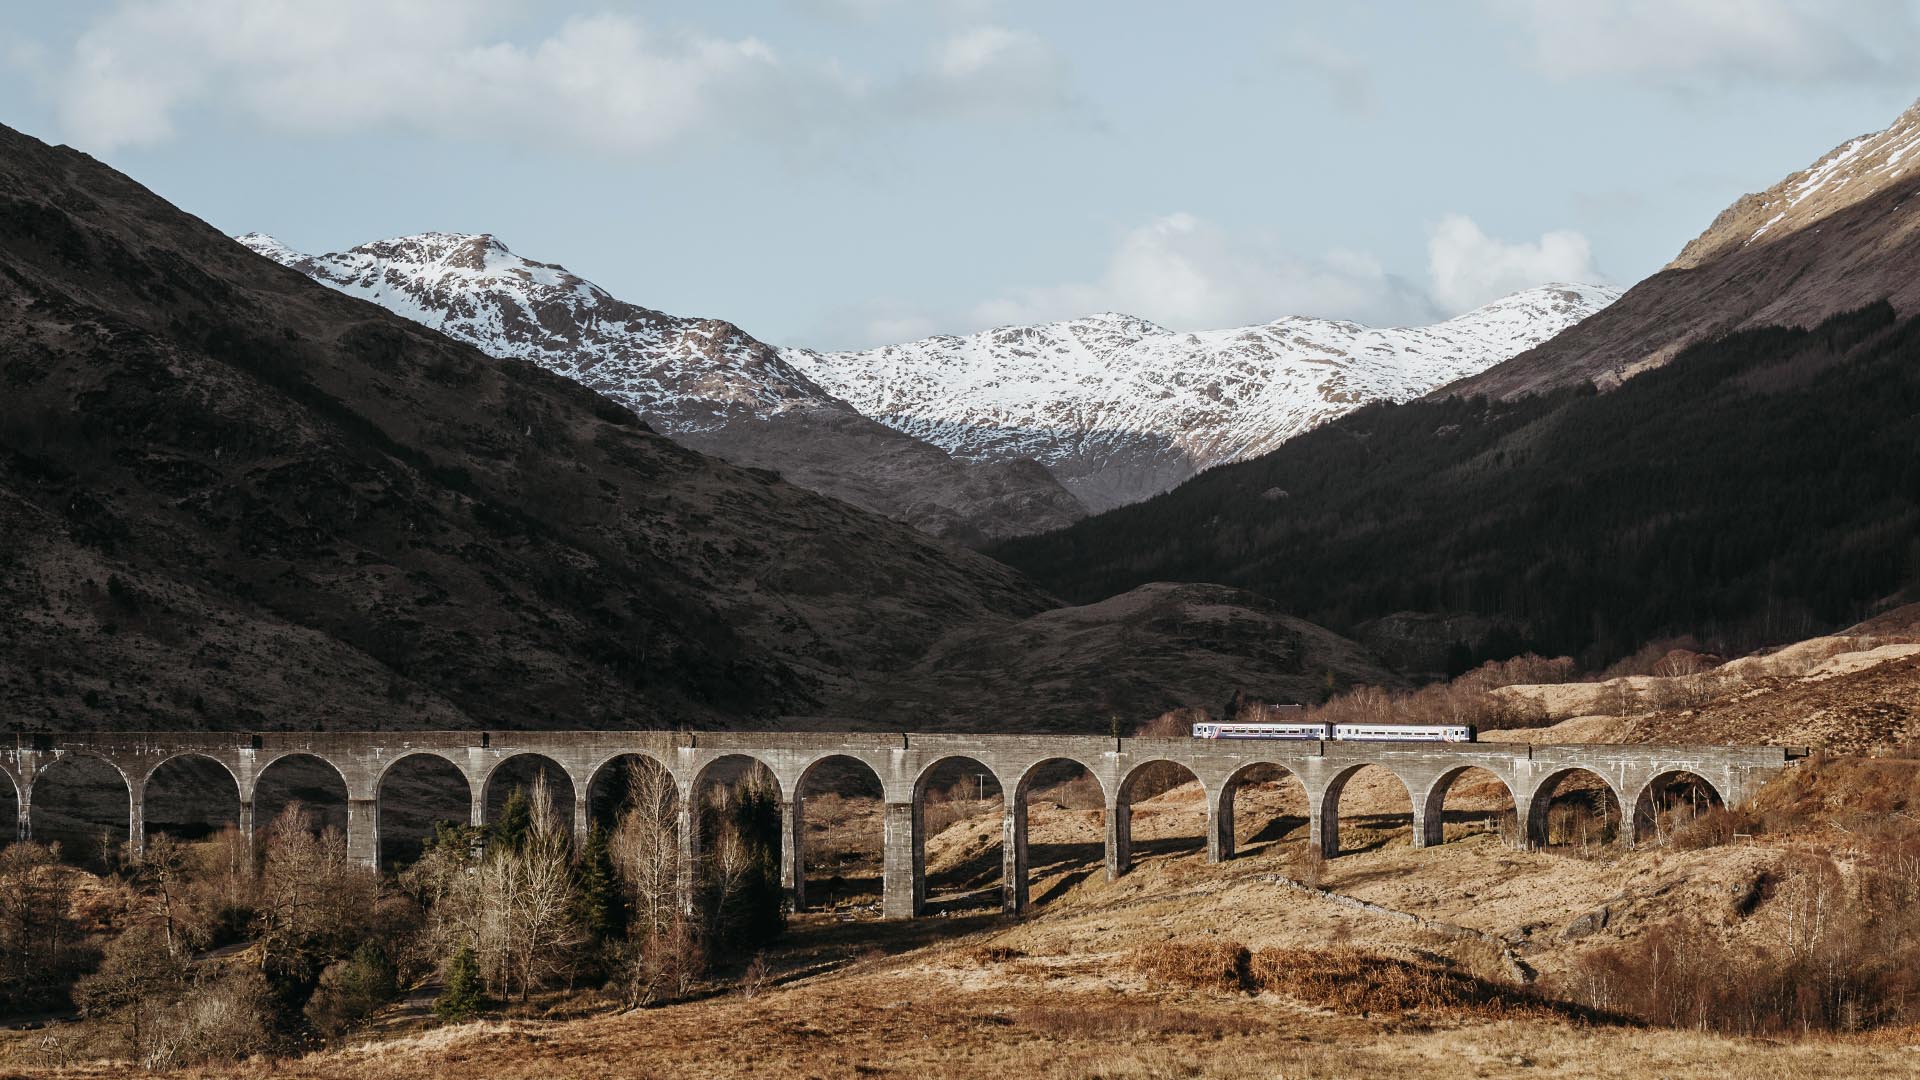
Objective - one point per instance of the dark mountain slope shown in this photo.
(1842, 233)
(1757, 488)
(230, 496)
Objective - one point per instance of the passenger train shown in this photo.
(1340, 732)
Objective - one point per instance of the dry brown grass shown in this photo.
(1359, 982)
(1195, 963)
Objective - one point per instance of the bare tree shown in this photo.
(645, 848)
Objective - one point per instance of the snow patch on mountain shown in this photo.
(1121, 409)
(682, 375)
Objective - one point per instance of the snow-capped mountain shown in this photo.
(704, 382)
(1120, 409)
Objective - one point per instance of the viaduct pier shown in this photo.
(903, 764)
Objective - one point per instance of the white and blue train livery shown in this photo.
(1340, 732)
(1260, 731)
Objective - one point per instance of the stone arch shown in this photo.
(560, 784)
(829, 839)
(1328, 812)
(1679, 790)
(309, 779)
(704, 775)
(1549, 804)
(1431, 821)
(1071, 861)
(606, 784)
(163, 810)
(1150, 780)
(1223, 838)
(404, 820)
(68, 806)
(978, 861)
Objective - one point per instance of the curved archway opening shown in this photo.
(617, 783)
(1369, 808)
(963, 834)
(1167, 809)
(84, 804)
(737, 849)
(634, 800)
(1671, 804)
(1266, 808)
(526, 773)
(191, 797)
(308, 785)
(417, 793)
(839, 805)
(1061, 809)
(1470, 802)
(1575, 811)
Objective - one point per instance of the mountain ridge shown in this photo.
(1122, 409)
(1830, 238)
(703, 382)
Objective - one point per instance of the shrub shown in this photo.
(1199, 963)
(351, 990)
(1353, 980)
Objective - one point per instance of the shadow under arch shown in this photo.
(522, 770)
(962, 801)
(837, 831)
(83, 802)
(9, 809)
(1152, 782)
(186, 796)
(314, 784)
(1471, 783)
(415, 792)
(1380, 827)
(1077, 813)
(1670, 800)
(1574, 807)
(1291, 810)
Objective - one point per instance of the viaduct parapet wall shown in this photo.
(903, 763)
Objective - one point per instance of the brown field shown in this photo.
(1179, 969)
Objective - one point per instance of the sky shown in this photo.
(846, 173)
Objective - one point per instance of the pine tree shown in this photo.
(462, 996)
(515, 822)
(602, 908)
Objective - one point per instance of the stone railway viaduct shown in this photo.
(903, 763)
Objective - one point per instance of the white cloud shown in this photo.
(1696, 43)
(1468, 268)
(1186, 273)
(989, 68)
(607, 82)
